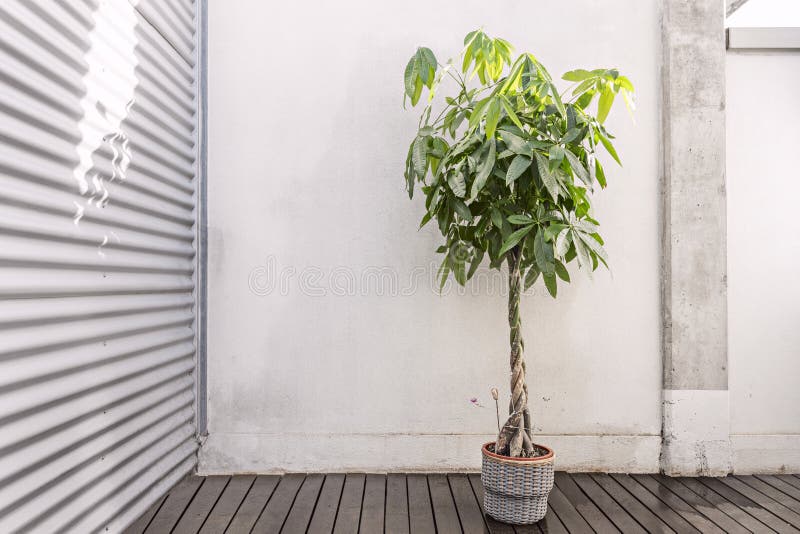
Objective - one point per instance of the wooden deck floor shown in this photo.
(419, 503)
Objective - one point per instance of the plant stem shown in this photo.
(514, 438)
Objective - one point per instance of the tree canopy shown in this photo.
(508, 165)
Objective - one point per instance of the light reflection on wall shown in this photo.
(110, 83)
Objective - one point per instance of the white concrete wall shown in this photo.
(763, 253)
(307, 141)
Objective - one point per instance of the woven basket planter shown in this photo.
(516, 489)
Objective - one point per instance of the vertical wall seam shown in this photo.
(202, 222)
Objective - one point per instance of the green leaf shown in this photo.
(444, 272)
(556, 155)
(609, 147)
(583, 86)
(428, 216)
(497, 218)
(443, 218)
(557, 99)
(562, 272)
(476, 261)
(624, 83)
(457, 184)
(587, 226)
(470, 37)
(577, 75)
(543, 253)
(548, 178)
(478, 112)
(550, 284)
(467, 57)
(630, 103)
(409, 172)
(595, 247)
(518, 165)
(520, 219)
(514, 239)
(583, 254)
(462, 209)
(492, 117)
(419, 156)
(604, 104)
(460, 272)
(422, 67)
(483, 172)
(531, 276)
(430, 59)
(515, 143)
(571, 134)
(409, 76)
(562, 243)
(552, 230)
(599, 174)
(578, 168)
(512, 81)
(417, 90)
(510, 111)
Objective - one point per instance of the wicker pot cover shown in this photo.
(516, 489)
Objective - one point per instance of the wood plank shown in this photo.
(547, 525)
(683, 508)
(372, 511)
(528, 529)
(646, 518)
(444, 509)
(222, 513)
(350, 505)
(396, 504)
(719, 502)
(278, 506)
(792, 480)
(567, 513)
(204, 500)
(765, 501)
(324, 516)
(420, 512)
(590, 512)
(780, 485)
(664, 512)
(771, 492)
(721, 519)
(551, 524)
(751, 507)
(138, 526)
(253, 504)
(174, 506)
(300, 514)
(469, 511)
(621, 519)
(494, 526)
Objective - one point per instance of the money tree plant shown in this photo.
(508, 166)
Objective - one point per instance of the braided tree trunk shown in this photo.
(515, 438)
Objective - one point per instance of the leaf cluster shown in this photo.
(508, 166)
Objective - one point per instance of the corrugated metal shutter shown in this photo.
(97, 259)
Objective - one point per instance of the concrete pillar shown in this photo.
(696, 415)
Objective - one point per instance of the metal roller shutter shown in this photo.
(97, 259)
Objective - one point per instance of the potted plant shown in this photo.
(507, 168)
